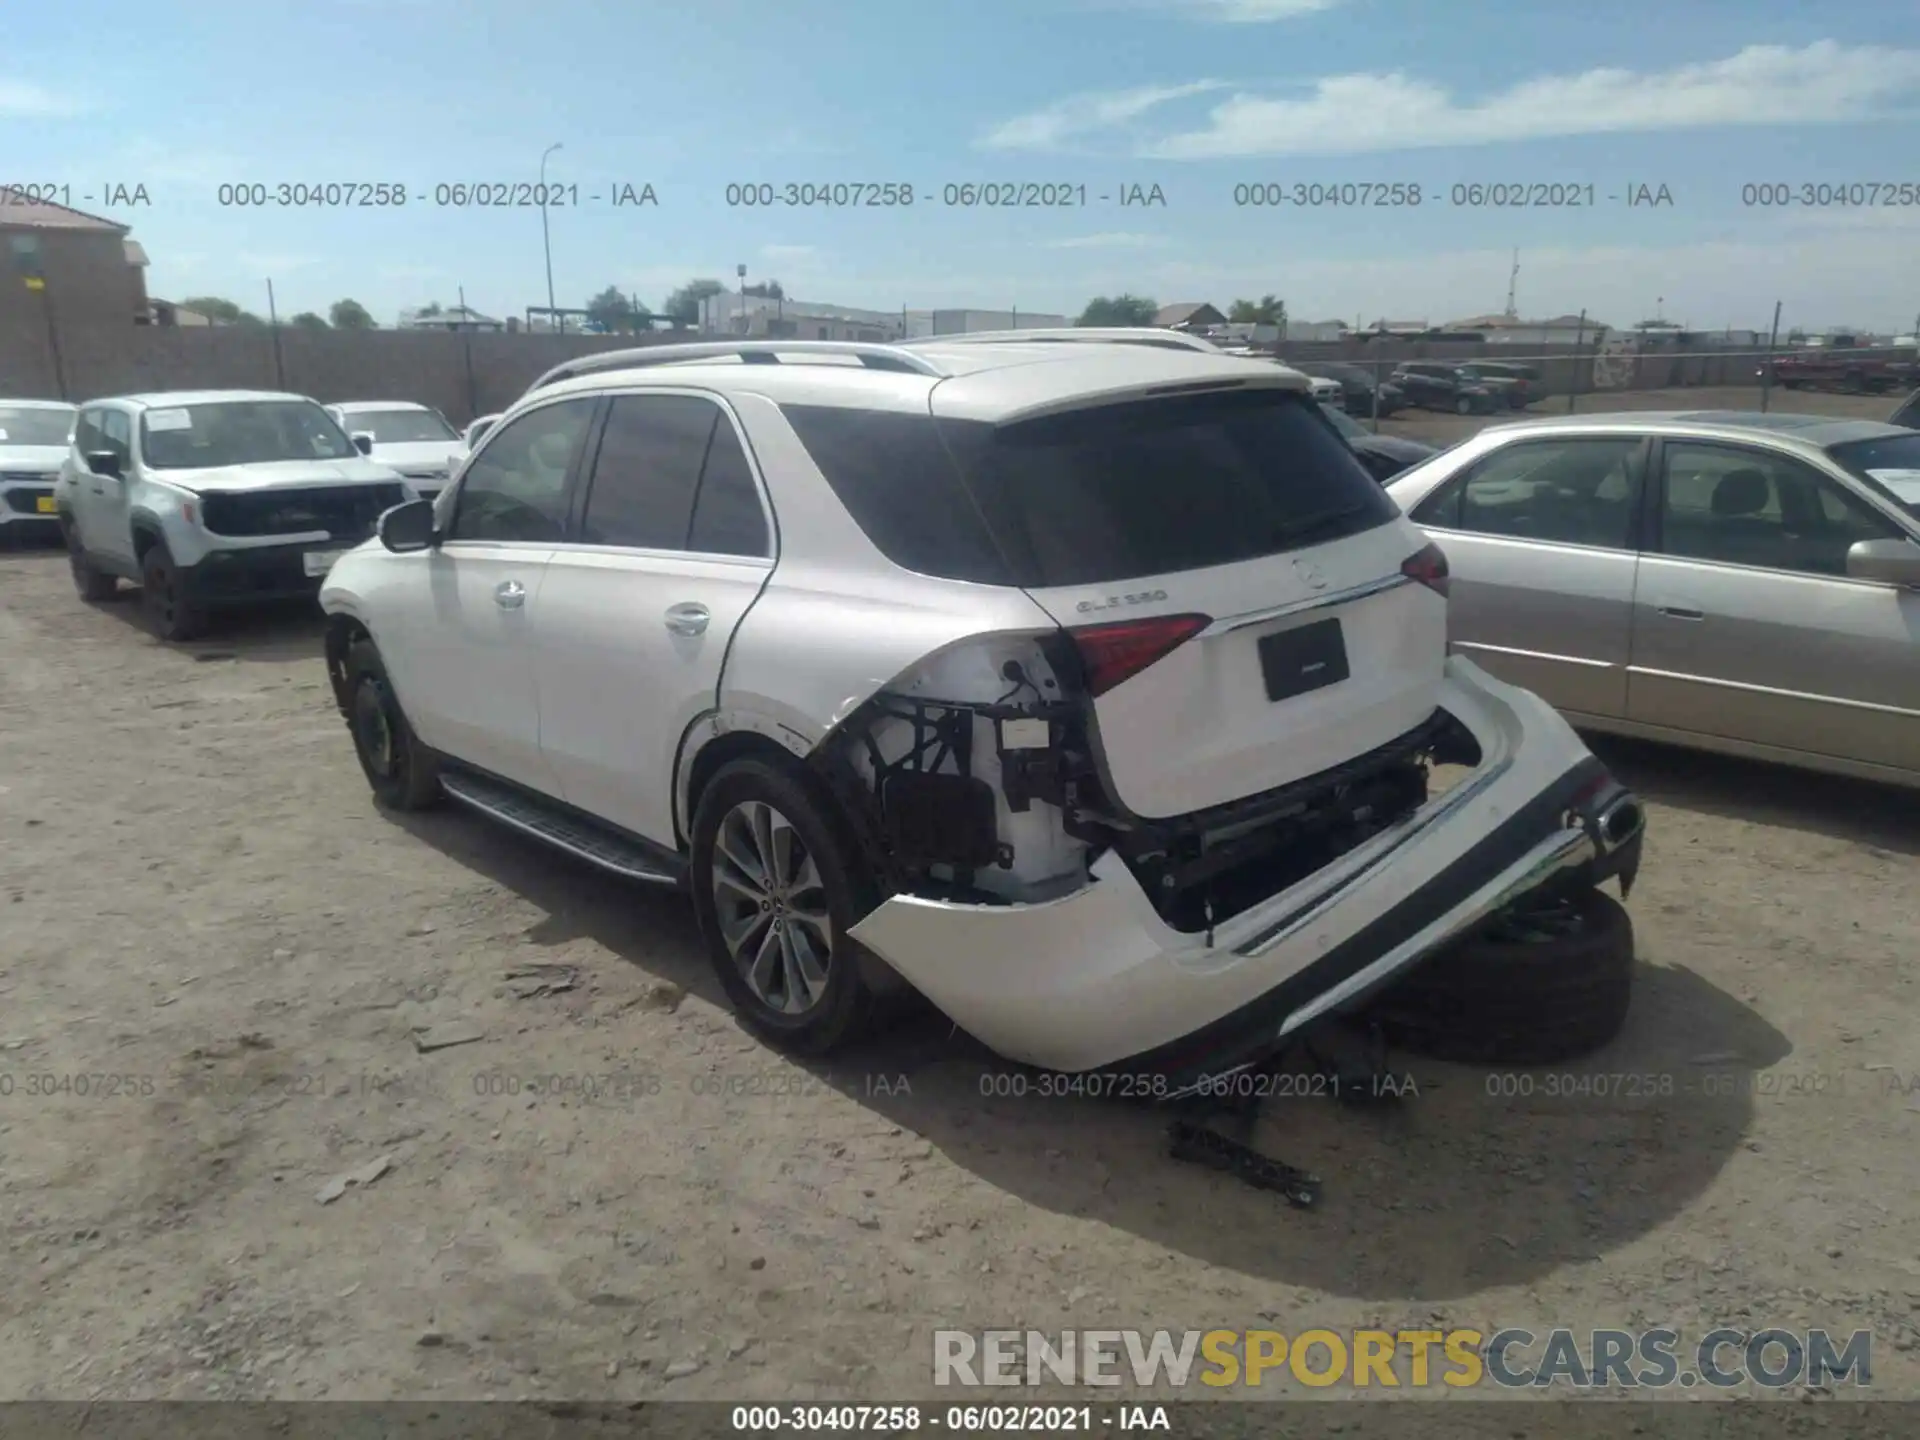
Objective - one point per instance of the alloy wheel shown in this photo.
(372, 728)
(772, 907)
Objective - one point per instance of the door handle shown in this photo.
(688, 619)
(509, 594)
(1681, 612)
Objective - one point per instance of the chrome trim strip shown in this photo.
(1801, 695)
(1477, 646)
(1386, 846)
(1229, 623)
(1558, 852)
(450, 784)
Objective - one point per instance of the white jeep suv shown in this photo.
(213, 499)
(1087, 684)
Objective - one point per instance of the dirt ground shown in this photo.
(216, 955)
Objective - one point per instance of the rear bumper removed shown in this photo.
(1097, 981)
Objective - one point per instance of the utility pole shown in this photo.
(273, 327)
(1513, 286)
(546, 237)
(1766, 371)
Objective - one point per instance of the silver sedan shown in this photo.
(1745, 583)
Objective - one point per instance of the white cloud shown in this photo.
(1079, 115)
(1112, 240)
(1822, 83)
(24, 99)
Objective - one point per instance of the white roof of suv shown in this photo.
(994, 377)
(171, 398)
(361, 407)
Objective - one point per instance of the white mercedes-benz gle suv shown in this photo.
(1083, 681)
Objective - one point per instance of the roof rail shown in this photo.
(1077, 334)
(760, 352)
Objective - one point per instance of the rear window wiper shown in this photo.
(1299, 530)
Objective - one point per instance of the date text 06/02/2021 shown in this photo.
(951, 1419)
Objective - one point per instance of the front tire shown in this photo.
(403, 773)
(1463, 406)
(172, 613)
(777, 886)
(93, 583)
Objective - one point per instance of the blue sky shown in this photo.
(1196, 96)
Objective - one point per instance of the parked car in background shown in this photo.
(413, 439)
(1384, 455)
(476, 431)
(896, 658)
(1739, 582)
(1848, 364)
(1359, 391)
(1435, 385)
(1326, 391)
(1520, 384)
(33, 442)
(213, 499)
(1908, 414)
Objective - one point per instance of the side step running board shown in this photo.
(578, 835)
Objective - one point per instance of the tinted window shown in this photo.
(1909, 413)
(1750, 507)
(1153, 487)
(515, 489)
(1568, 492)
(727, 518)
(647, 471)
(900, 485)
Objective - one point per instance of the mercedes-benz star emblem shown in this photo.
(1311, 574)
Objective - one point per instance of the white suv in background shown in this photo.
(413, 439)
(213, 499)
(1086, 684)
(33, 442)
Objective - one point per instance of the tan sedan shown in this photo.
(1747, 583)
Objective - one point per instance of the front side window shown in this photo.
(88, 437)
(117, 430)
(516, 488)
(1564, 492)
(34, 425)
(1739, 506)
(240, 432)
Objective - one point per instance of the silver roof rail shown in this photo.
(1077, 334)
(751, 352)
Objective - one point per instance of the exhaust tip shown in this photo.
(1621, 823)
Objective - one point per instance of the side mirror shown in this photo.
(363, 441)
(104, 462)
(407, 528)
(1897, 562)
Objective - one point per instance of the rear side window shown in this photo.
(1153, 487)
(727, 518)
(899, 483)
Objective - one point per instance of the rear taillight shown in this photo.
(1112, 653)
(1429, 567)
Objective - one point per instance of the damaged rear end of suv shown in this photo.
(1204, 772)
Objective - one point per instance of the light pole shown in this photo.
(546, 240)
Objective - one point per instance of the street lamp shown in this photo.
(546, 240)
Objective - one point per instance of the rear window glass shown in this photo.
(1890, 464)
(1154, 487)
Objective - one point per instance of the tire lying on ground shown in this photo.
(1544, 983)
